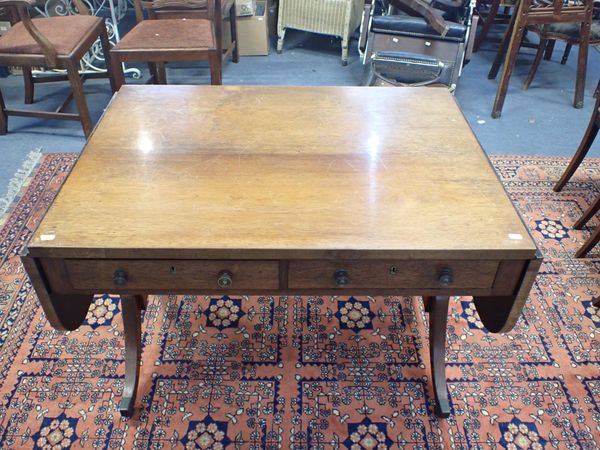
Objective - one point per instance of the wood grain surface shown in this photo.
(282, 172)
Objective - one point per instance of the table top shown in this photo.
(282, 172)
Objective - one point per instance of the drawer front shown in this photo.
(391, 274)
(103, 275)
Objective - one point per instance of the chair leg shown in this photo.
(79, 97)
(509, 64)
(215, 60)
(116, 67)
(589, 244)
(588, 214)
(280, 39)
(582, 65)
(153, 73)
(584, 147)
(3, 117)
(536, 63)
(489, 21)
(345, 51)
(108, 59)
(29, 86)
(549, 50)
(501, 53)
(235, 56)
(161, 72)
(566, 54)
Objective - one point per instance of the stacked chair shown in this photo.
(412, 42)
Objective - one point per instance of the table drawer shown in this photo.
(391, 274)
(91, 274)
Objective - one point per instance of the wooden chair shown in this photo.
(177, 30)
(487, 20)
(537, 13)
(549, 34)
(595, 237)
(56, 43)
(588, 138)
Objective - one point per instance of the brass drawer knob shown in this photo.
(225, 279)
(341, 278)
(120, 277)
(445, 277)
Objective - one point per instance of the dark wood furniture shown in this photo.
(488, 19)
(549, 34)
(586, 143)
(177, 30)
(536, 13)
(407, 205)
(588, 139)
(595, 236)
(56, 43)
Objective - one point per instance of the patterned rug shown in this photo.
(296, 372)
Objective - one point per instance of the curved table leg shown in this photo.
(132, 325)
(438, 320)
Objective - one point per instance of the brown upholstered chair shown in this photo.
(549, 34)
(542, 13)
(177, 30)
(56, 43)
(595, 237)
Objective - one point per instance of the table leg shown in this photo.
(132, 325)
(437, 307)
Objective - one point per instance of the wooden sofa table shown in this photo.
(282, 191)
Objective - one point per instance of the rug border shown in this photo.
(18, 182)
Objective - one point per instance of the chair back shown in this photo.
(556, 11)
(170, 9)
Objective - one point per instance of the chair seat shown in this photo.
(66, 33)
(568, 31)
(167, 35)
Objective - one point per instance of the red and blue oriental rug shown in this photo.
(304, 373)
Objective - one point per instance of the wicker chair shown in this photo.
(333, 17)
